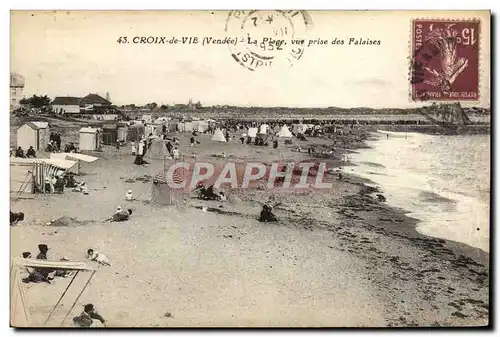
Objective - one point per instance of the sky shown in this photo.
(76, 53)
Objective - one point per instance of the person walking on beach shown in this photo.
(387, 136)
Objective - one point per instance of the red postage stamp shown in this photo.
(445, 60)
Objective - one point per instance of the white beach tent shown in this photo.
(285, 132)
(26, 173)
(20, 313)
(299, 128)
(252, 132)
(218, 136)
(157, 150)
(263, 128)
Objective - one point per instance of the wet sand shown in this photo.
(339, 259)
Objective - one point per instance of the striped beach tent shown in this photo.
(161, 191)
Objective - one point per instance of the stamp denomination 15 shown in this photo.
(445, 60)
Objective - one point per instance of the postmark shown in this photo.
(265, 38)
(445, 60)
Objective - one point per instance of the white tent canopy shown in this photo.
(252, 132)
(263, 128)
(218, 136)
(285, 132)
(78, 156)
(20, 317)
(157, 150)
(57, 162)
(73, 156)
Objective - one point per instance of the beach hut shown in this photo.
(284, 132)
(263, 129)
(90, 139)
(109, 134)
(218, 136)
(299, 128)
(147, 118)
(185, 126)
(150, 128)
(122, 131)
(252, 132)
(201, 126)
(157, 150)
(135, 132)
(36, 134)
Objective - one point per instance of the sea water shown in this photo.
(444, 181)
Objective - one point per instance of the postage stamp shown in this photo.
(265, 37)
(445, 60)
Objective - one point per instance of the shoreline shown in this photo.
(405, 278)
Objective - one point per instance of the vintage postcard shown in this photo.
(250, 168)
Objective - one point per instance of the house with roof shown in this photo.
(94, 102)
(66, 105)
(36, 134)
(76, 105)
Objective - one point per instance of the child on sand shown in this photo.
(128, 195)
(134, 148)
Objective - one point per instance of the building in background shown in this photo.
(92, 103)
(16, 89)
(66, 105)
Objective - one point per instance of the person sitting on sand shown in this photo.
(121, 215)
(16, 217)
(85, 320)
(266, 215)
(19, 152)
(70, 180)
(36, 276)
(31, 153)
(59, 185)
(40, 274)
(139, 160)
(100, 258)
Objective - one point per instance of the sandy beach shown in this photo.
(337, 259)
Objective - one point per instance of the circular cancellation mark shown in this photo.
(266, 37)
